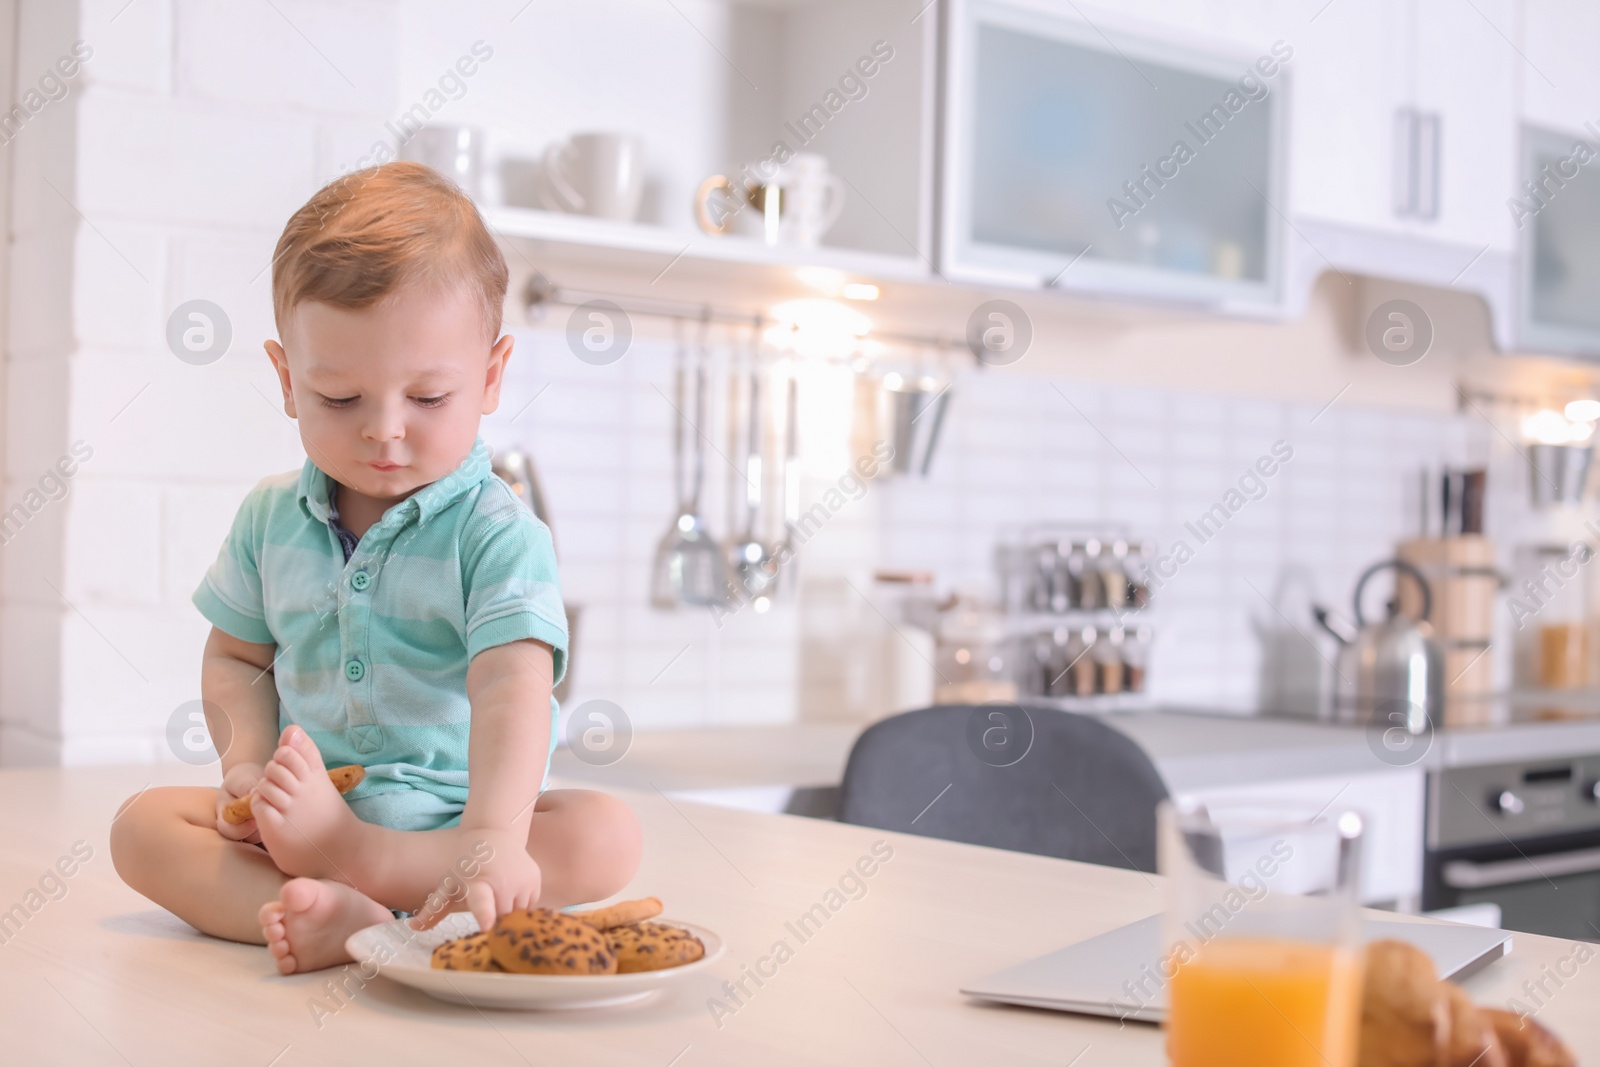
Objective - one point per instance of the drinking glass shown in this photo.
(1262, 936)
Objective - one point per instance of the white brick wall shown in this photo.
(166, 175)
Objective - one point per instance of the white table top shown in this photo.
(103, 976)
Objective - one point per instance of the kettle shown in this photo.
(1389, 672)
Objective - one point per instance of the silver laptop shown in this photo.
(1114, 974)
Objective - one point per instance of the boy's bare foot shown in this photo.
(306, 825)
(305, 928)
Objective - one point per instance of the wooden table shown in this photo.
(103, 976)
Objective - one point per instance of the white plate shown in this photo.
(409, 956)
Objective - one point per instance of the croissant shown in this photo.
(1409, 1018)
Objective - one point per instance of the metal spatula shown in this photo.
(753, 569)
(688, 567)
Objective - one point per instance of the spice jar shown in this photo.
(1084, 564)
(1137, 566)
(1136, 658)
(1081, 657)
(1046, 563)
(1114, 576)
(1108, 661)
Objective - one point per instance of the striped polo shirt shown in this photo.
(372, 650)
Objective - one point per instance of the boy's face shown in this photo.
(389, 397)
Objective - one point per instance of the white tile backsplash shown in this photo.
(1336, 506)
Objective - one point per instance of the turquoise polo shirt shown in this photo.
(372, 651)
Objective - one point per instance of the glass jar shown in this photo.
(971, 660)
(1088, 583)
(1083, 668)
(1137, 566)
(1046, 563)
(1136, 659)
(1114, 576)
(1109, 663)
(1549, 606)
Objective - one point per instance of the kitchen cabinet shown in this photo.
(1038, 153)
(1558, 78)
(1084, 158)
(1357, 70)
(1558, 231)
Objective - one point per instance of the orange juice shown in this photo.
(1255, 1002)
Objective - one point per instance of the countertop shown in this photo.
(1191, 749)
(101, 975)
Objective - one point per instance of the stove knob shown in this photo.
(1507, 803)
(1591, 792)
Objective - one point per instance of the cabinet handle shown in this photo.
(1427, 168)
(1463, 874)
(1416, 163)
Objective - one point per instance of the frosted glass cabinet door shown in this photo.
(1154, 165)
(1558, 221)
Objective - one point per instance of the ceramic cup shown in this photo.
(599, 174)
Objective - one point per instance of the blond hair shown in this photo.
(366, 236)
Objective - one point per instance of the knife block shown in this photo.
(1464, 581)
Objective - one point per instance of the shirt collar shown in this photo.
(424, 503)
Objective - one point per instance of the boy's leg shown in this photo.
(587, 845)
(164, 843)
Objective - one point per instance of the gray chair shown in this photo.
(1037, 780)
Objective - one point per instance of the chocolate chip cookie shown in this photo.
(541, 941)
(470, 953)
(650, 946)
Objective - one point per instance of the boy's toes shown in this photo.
(282, 774)
(298, 741)
(271, 799)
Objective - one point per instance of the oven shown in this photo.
(1523, 835)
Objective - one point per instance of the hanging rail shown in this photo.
(540, 292)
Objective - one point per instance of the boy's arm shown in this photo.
(240, 696)
(509, 689)
(508, 686)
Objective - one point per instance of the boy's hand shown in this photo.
(508, 880)
(237, 782)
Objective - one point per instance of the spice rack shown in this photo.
(1074, 601)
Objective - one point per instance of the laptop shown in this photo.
(1115, 974)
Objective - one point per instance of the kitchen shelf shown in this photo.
(662, 246)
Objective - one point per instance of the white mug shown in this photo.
(813, 198)
(599, 174)
(792, 203)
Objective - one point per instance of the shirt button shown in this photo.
(360, 580)
(354, 671)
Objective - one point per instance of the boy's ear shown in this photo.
(498, 355)
(280, 363)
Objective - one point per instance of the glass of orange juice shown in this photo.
(1262, 936)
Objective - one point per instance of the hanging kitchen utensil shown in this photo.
(911, 411)
(784, 550)
(700, 554)
(688, 565)
(666, 581)
(515, 468)
(754, 570)
(1391, 673)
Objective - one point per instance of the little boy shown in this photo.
(372, 607)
